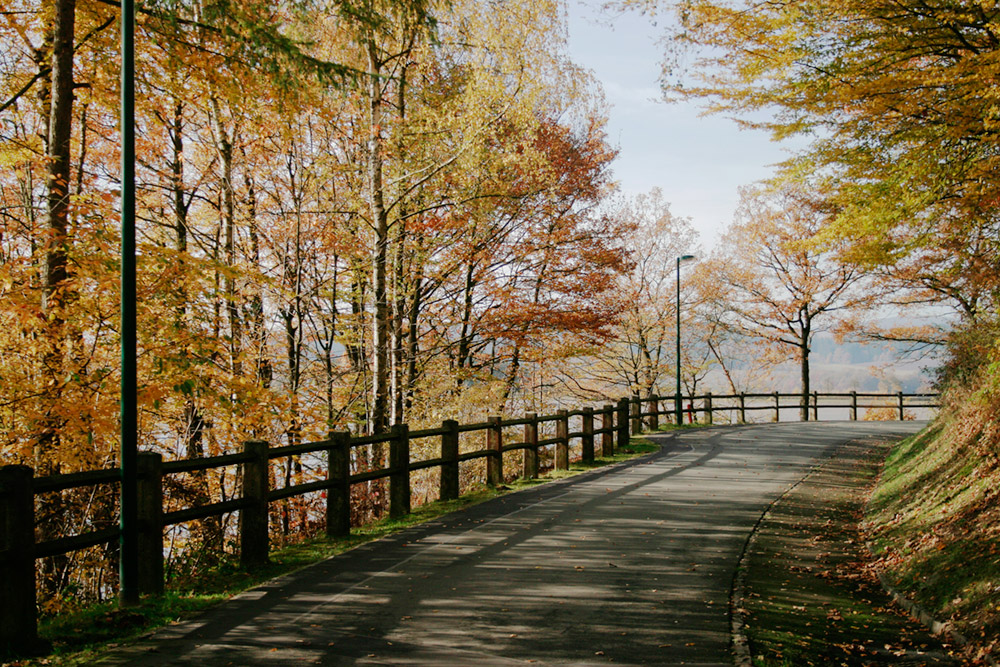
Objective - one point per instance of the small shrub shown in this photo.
(885, 414)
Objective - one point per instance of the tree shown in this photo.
(771, 284)
(640, 356)
(898, 98)
(339, 212)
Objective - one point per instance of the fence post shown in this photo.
(18, 615)
(449, 453)
(562, 446)
(530, 461)
(777, 407)
(622, 424)
(608, 428)
(709, 418)
(399, 478)
(636, 405)
(743, 408)
(338, 496)
(494, 458)
(587, 441)
(254, 538)
(654, 419)
(902, 414)
(815, 406)
(854, 406)
(149, 515)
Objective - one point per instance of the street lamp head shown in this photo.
(684, 258)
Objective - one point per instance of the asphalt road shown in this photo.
(627, 565)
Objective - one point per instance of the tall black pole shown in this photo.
(128, 571)
(678, 408)
(677, 391)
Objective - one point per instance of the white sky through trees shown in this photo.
(699, 162)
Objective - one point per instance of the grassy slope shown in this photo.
(934, 518)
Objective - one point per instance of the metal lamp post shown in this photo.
(677, 395)
(128, 592)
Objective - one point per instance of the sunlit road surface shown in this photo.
(629, 566)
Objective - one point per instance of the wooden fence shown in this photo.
(740, 404)
(19, 487)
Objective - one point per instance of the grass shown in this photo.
(667, 428)
(935, 525)
(78, 637)
(810, 599)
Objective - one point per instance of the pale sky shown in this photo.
(699, 162)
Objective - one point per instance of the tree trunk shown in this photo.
(380, 224)
(56, 274)
(464, 346)
(57, 221)
(258, 331)
(208, 532)
(397, 334)
(224, 146)
(804, 367)
(413, 339)
(327, 341)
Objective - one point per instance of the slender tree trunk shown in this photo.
(804, 369)
(397, 334)
(380, 224)
(177, 177)
(722, 364)
(293, 317)
(327, 342)
(465, 334)
(356, 347)
(56, 272)
(57, 103)
(399, 387)
(224, 146)
(413, 338)
(208, 532)
(258, 332)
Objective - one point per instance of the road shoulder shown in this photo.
(806, 596)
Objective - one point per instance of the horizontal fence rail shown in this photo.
(601, 431)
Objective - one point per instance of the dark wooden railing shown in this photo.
(740, 404)
(18, 486)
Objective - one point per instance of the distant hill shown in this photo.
(836, 367)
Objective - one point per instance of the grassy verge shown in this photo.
(667, 428)
(78, 637)
(934, 520)
(809, 597)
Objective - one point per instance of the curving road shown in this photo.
(625, 565)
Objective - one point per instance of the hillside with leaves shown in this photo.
(935, 516)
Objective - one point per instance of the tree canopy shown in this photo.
(899, 100)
